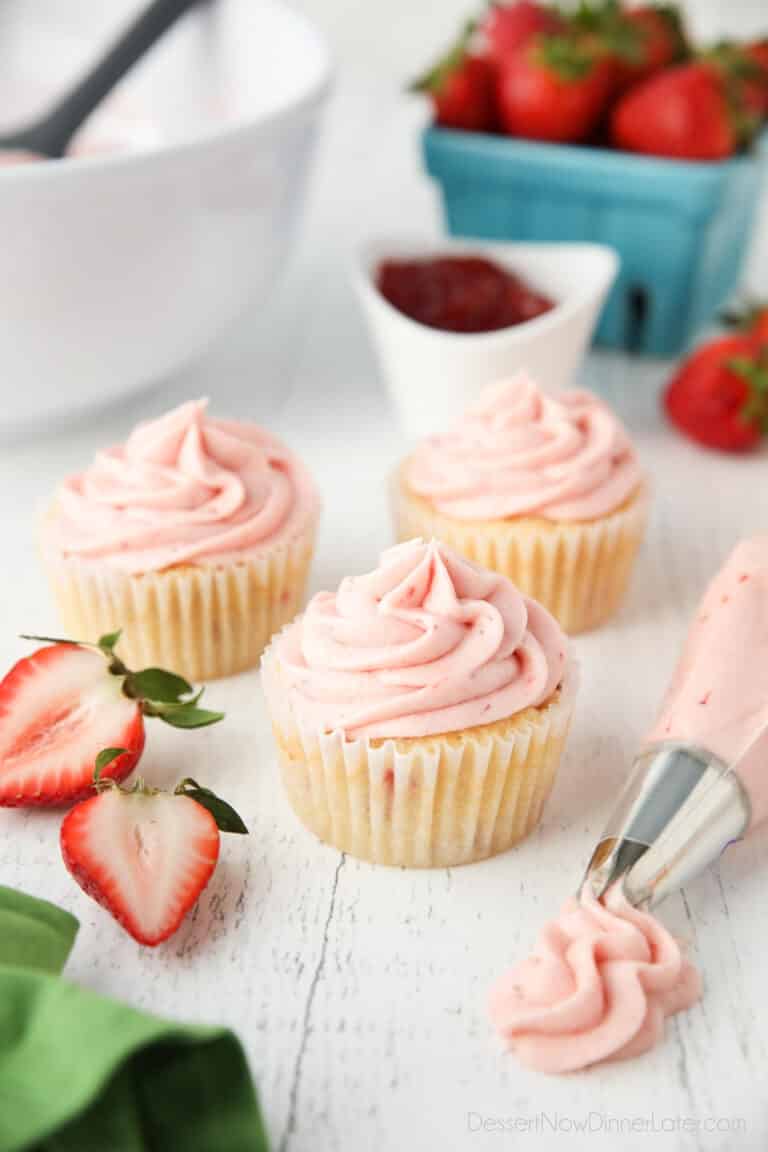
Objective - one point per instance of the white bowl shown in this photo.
(123, 266)
(432, 375)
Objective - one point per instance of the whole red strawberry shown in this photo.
(684, 113)
(509, 27)
(636, 42)
(555, 89)
(744, 68)
(66, 702)
(461, 87)
(146, 855)
(758, 54)
(719, 396)
(654, 40)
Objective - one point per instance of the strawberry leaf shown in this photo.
(434, 79)
(105, 757)
(754, 372)
(108, 642)
(56, 640)
(187, 715)
(227, 820)
(158, 685)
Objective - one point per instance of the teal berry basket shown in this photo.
(681, 229)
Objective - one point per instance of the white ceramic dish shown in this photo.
(432, 375)
(123, 266)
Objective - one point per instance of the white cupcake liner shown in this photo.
(199, 620)
(579, 571)
(427, 802)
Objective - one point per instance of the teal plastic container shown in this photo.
(681, 229)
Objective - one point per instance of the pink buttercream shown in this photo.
(521, 452)
(183, 489)
(718, 697)
(598, 987)
(426, 643)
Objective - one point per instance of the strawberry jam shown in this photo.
(459, 293)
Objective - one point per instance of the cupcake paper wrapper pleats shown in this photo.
(201, 621)
(580, 571)
(425, 802)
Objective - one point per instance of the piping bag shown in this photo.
(701, 780)
(605, 974)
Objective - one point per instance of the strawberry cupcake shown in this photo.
(546, 489)
(195, 538)
(420, 711)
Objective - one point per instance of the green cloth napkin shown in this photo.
(81, 1073)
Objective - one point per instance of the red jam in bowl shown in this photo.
(459, 293)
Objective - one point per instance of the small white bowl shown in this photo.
(123, 267)
(433, 375)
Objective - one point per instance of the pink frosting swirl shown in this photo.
(599, 986)
(183, 489)
(426, 643)
(521, 452)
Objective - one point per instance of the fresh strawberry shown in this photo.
(758, 53)
(719, 397)
(684, 113)
(146, 855)
(509, 27)
(654, 39)
(461, 87)
(554, 89)
(744, 69)
(63, 704)
(59, 708)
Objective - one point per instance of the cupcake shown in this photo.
(545, 489)
(195, 538)
(420, 711)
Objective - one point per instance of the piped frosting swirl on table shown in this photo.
(600, 984)
(426, 643)
(521, 452)
(183, 489)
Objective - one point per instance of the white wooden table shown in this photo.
(360, 992)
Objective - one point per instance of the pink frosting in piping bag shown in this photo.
(522, 452)
(718, 697)
(605, 975)
(183, 489)
(599, 986)
(426, 643)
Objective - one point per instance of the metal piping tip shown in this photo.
(611, 860)
(679, 810)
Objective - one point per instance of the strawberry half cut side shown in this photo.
(58, 708)
(65, 703)
(146, 855)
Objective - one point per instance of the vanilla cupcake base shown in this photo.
(202, 621)
(578, 570)
(428, 802)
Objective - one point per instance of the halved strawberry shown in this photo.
(58, 708)
(146, 855)
(65, 703)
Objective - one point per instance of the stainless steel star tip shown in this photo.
(681, 807)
